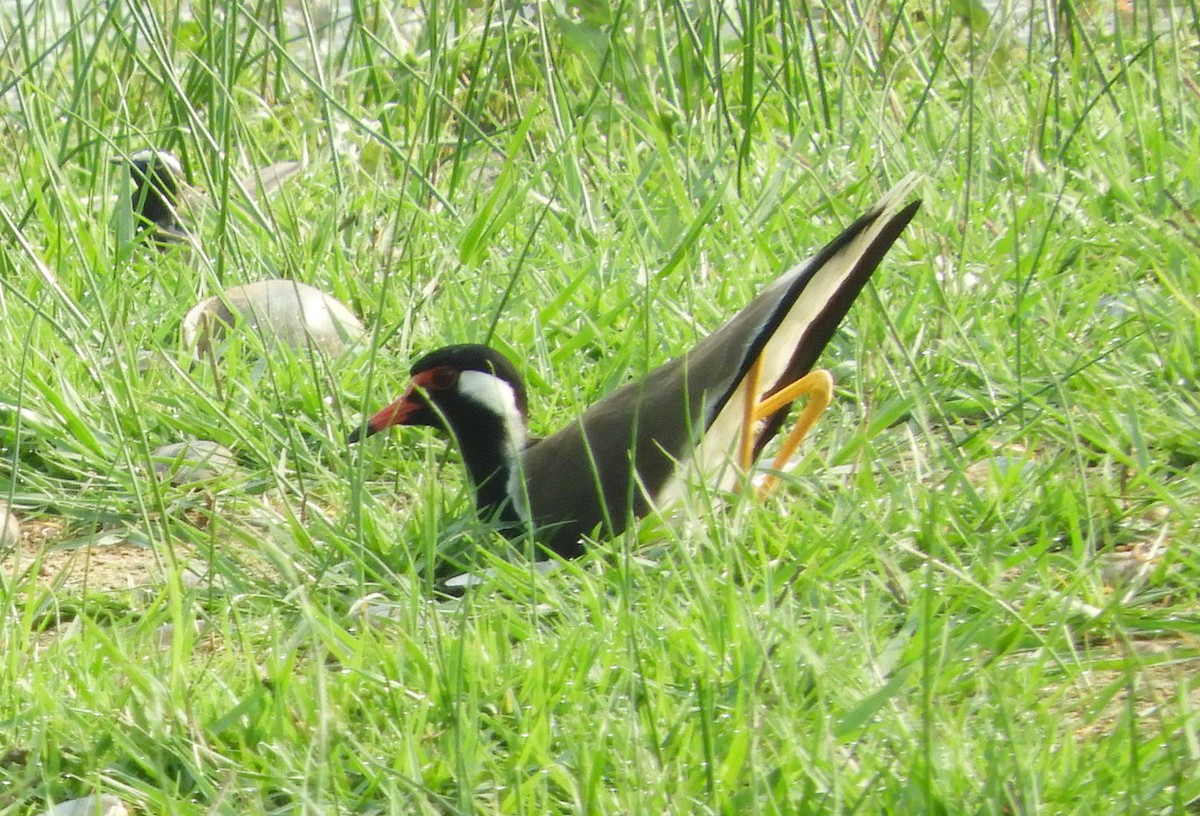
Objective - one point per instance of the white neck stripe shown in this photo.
(496, 395)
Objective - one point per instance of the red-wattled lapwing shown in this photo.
(155, 197)
(718, 404)
(161, 201)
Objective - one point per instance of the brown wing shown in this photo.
(627, 449)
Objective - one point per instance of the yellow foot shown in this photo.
(816, 385)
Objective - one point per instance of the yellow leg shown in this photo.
(816, 385)
(746, 448)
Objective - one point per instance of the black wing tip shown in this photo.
(820, 332)
(896, 223)
(906, 213)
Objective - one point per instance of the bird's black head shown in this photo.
(463, 386)
(453, 361)
(155, 198)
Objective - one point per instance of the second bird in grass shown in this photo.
(700, 414)
(162, 203)
(155, 196)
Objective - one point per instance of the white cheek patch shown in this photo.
(497, 396)
(168, 160)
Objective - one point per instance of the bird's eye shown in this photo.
(443, 378)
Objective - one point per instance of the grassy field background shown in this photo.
(976, 594)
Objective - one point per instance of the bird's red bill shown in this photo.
(400, 411)
(396, 413)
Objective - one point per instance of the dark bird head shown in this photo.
(459, 389)
(155, 198)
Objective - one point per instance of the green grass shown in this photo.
(923, 619)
